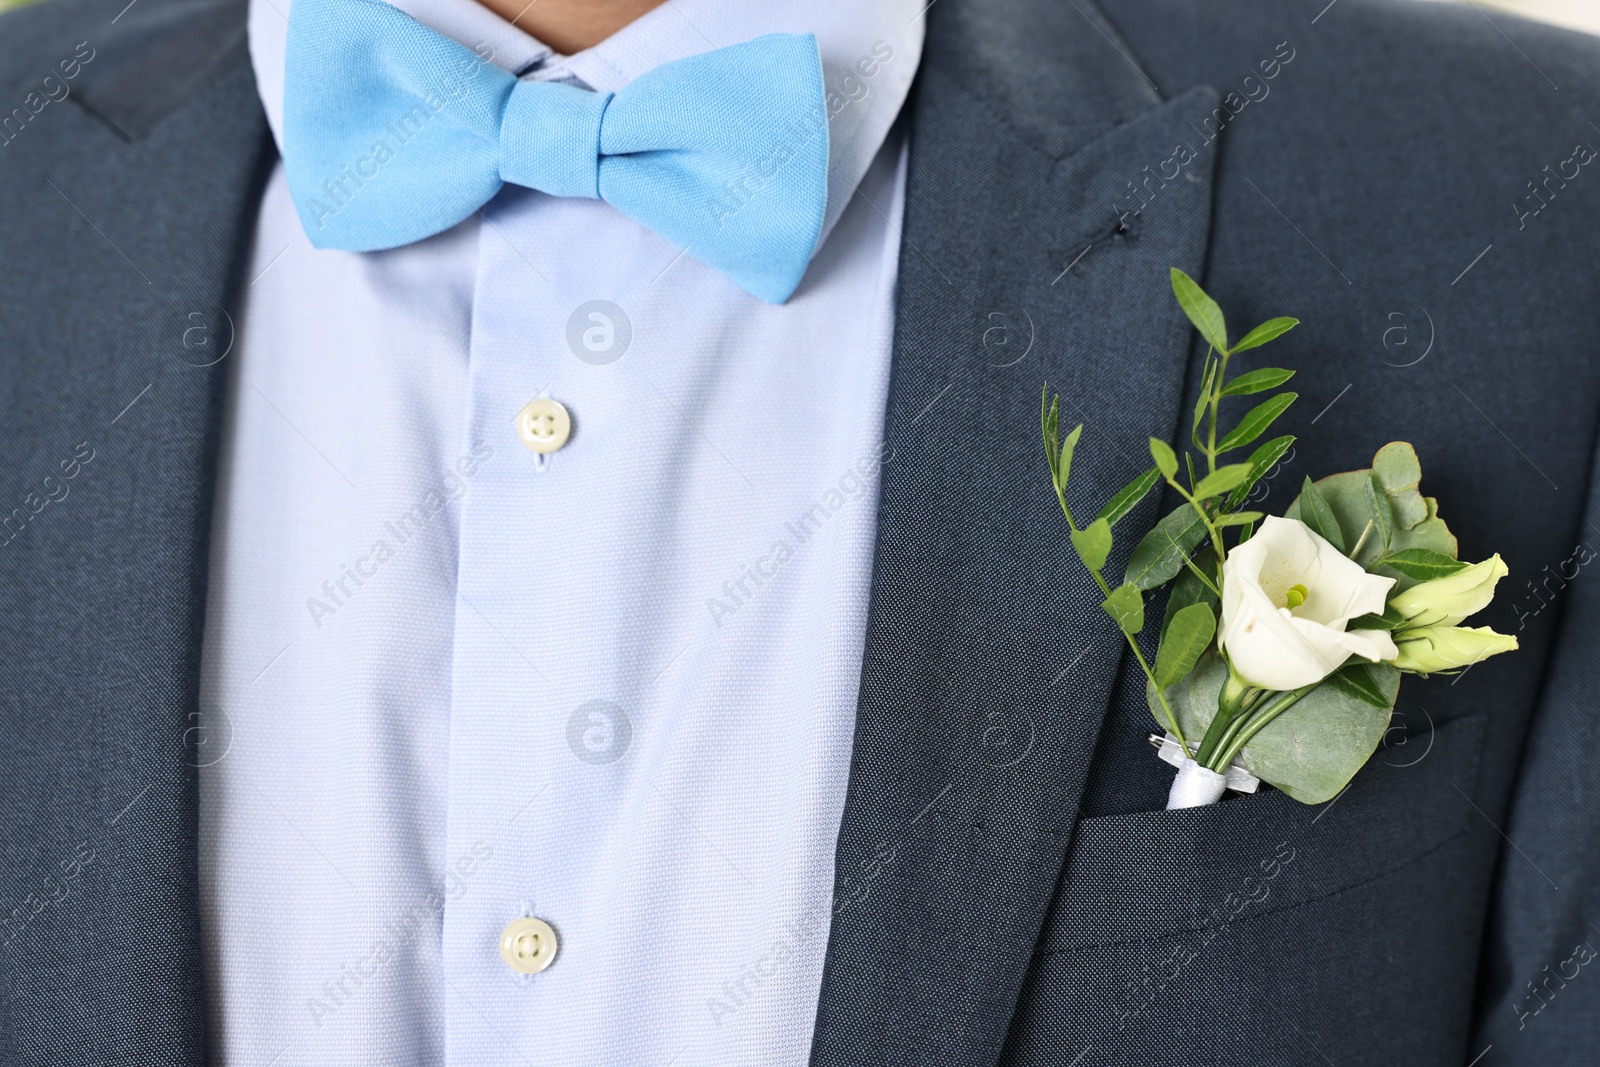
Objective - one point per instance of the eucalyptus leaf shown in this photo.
(1344, 495)
(1222, 480)
(1257, 381)
(1262, 460)
(1255, 423)
(1126, 605)
(1315, 513)
(1128, 496)
(1400, 474)
(1354, 680)
(1201, 309)
(1313, 750)
(1381, 510)
(1160, 555)
(1265, 332)
(1421, 564)
(1431, 534)
(1166, 459)
(1093, 543)
(1185, 639)
(1397, 466)
(1349, 498)
(1310, 751)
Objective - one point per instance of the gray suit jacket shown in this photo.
(1008, 889)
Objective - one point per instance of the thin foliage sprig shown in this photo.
(1212, 504)
(1093, 542)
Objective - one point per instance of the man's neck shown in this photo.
(570, 26)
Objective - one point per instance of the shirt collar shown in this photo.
(869, 52)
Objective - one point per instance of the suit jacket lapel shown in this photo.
(989, 664)
(126, 210)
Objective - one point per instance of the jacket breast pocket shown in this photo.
(1259, 929)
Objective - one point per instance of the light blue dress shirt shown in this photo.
(452, 683)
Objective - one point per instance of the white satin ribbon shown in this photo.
(1195, 787)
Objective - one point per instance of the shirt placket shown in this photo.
(537, 719)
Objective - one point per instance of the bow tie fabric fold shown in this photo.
(393, 133)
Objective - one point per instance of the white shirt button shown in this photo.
(528, 945)
(544, 425)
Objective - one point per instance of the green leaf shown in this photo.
(1126, 605)
(1257, 381)
(1265, 332)
(1222, 480)
(1161, 553)
(1389, 620)
(1129, 496)
(1256, 422)
(1186, 638)
(1239, 518)
(1203, 404)
(1382, 513)
(1421, 564)
(1093, 543)
(1047, 429)
(1166, 459)
(1201, 309)
(1068, 447)
(1356, 681)
(1262, 460)
(1315, 513)
(1188, 589)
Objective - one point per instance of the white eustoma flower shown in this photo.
(1287, 595)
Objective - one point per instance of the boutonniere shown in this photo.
(1283, 638)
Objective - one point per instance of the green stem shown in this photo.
(1239, 720)
(1200, 509)
(1220, 722)
(1138, 654)
(1150, 674)
(1216, 401)
(1204, 580)
(1260, 721)
(1361, 541)
(1232, 701)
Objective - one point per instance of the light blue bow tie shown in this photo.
(393, 133)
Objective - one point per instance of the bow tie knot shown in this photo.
(550, 138)
(393, 133)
